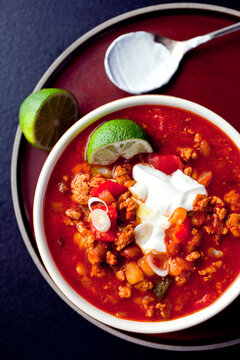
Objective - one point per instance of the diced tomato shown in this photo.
(110, 235)
(182, 233)
(114, 188)
(165, 163)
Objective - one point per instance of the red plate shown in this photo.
(209, 75)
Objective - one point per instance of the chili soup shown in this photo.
(173, 241)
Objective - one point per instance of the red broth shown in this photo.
(170, 131)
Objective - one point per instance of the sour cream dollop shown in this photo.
(160, 195)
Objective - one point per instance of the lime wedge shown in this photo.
(115, 138)
(45, 115)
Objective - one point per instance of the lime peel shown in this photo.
(115, 138)
(46, 114)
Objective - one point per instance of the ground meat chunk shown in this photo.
(182, 278)
(124, 291)
(194, 255)
(130, 206)
(97, 271)
(129, 183)
(216, 201)
(96, 181)
(125, 237)
(216, 226)
(221, 213)
(198, 218)
(165, 309)
(73, 214)
(232, 198)
(218, 207)
(97, 252)
(121, 175)
(195, 240)
(120, 275)
(111, 259)
(81, 189)
(92, 256)
(85, 212)
(70, 222)
(188, 153)
(87, 236)
(197, 140)
(210, 212)
(144, 285)
(200, 203)
(233, 224)
(210, 270)
(146, 300)
(124, 197)
(150, 311)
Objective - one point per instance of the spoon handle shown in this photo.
(196, 41)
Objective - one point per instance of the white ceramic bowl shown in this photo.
(134, 326)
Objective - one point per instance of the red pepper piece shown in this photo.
(165, 163)
(183, 232)
(114, 188)
(111, 234)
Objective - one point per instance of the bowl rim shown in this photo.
(147, 327)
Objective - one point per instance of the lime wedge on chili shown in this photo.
(116, 138)
(45, 115)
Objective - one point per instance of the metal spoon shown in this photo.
(140, 61)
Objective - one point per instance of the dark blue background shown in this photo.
(35, 322)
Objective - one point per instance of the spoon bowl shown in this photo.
(139, 62)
